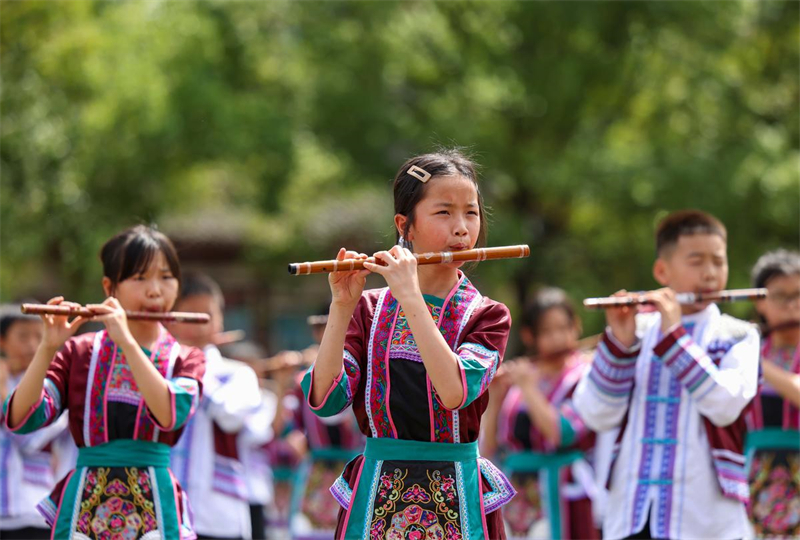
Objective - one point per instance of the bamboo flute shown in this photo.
(169, 316)
(443, 257)
(733, 295)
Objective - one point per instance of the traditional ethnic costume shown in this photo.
(206, 459)
(284, 463)
(332, 442)
(537, 467)
(421, 474)
(122, 486)
(251, 441)
(679, 400)
(773, 454)
(27, 474)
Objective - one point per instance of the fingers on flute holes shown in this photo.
(77, 322)
(385, 256)
(55, 300)
(99, 309)
(372, 267)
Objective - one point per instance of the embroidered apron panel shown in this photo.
(527, 508)
(775, 493)
(116, 503)
(317, 505)
(416, 500)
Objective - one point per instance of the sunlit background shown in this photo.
(256, 134)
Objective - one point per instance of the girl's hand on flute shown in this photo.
(622, 321)
(400, 272)
(111, 314)
(58, 328)
(347, 286)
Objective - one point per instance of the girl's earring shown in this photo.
(401, 242)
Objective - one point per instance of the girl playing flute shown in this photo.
(415, 359)
(530, 417)
(772, 450)
(129, 390)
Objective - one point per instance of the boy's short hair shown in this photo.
(686, 223)
(197, 283)
(10, 314)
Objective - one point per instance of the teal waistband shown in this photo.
(772, 438)
(282, 474)
(333, 454)
(535, 461)
(403, 450)
(124, 453)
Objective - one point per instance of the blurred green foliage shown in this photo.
(590, 121)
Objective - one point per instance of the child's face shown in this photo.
(556, 333)
(153, 290)
(697, 263)
(448, 218)
(20, 343)
(782, 304)
(198, 335)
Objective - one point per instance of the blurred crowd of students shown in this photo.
(256, 462)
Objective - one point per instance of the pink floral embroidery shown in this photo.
(376, 532)
(427, 513)
(416, 494)
(116, 518)
(452, 532)
(775, 491)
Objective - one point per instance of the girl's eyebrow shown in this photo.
(449, 205)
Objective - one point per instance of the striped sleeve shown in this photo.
(720, 392)
(602, 395)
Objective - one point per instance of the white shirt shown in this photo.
(256, 433)
(664, 469)
(230, 394)
(27, 473)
